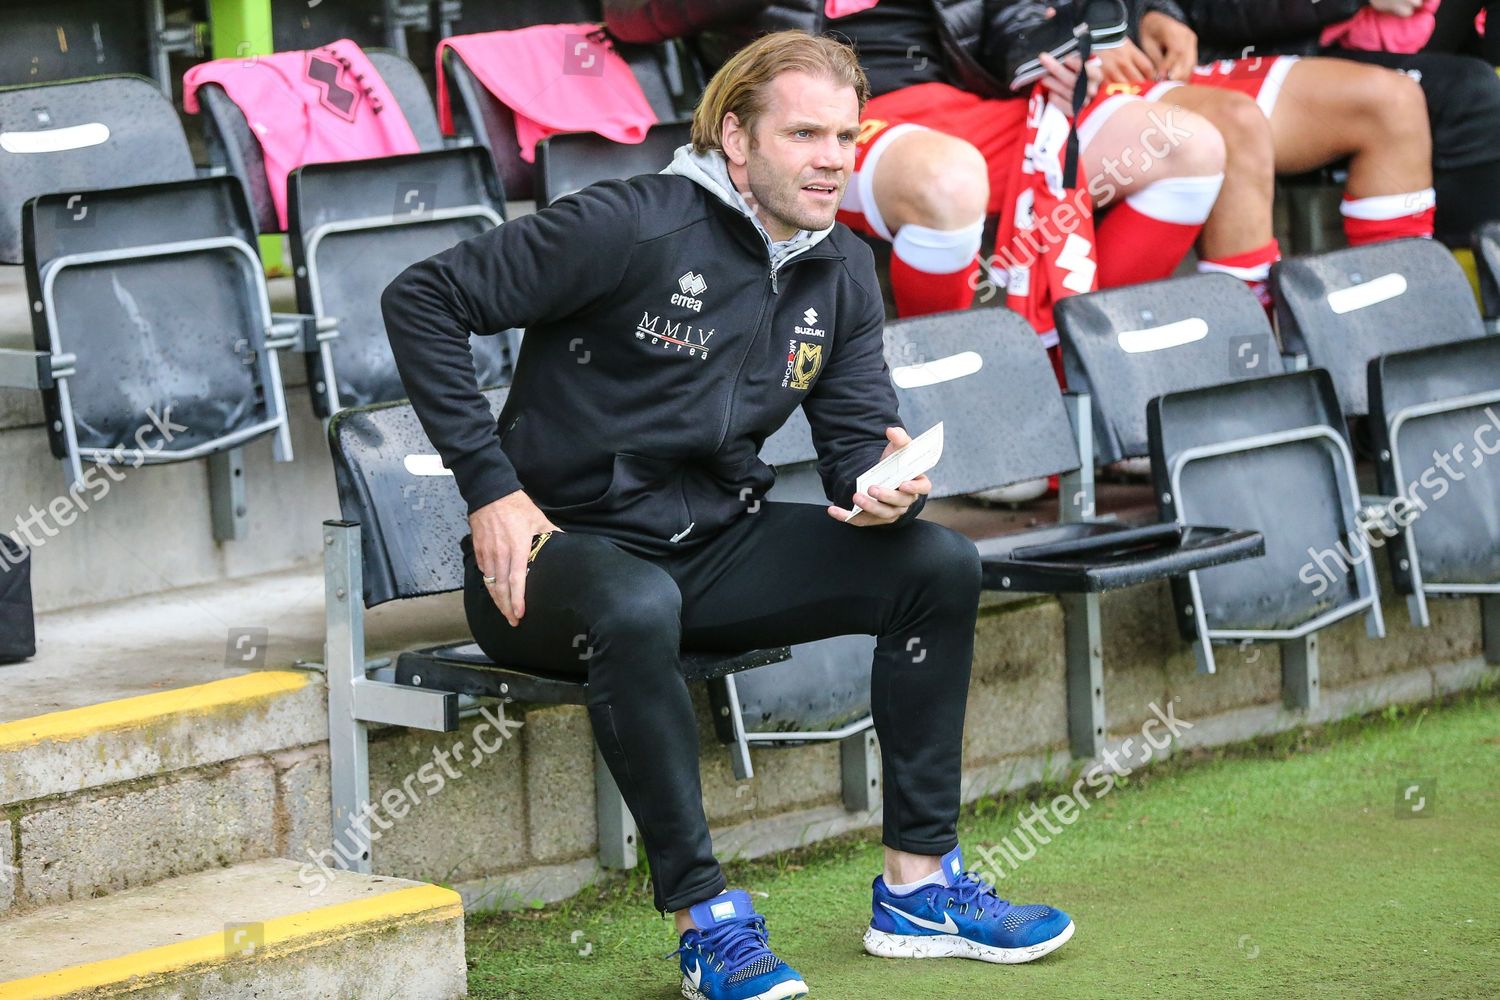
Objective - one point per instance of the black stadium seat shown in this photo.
(571, 161)
(480, 114)
(403, 519)
(353, 227)
(116, 131)
(98, 176)
(232, 146)
(1127, 345)
(1272, 454)
(1487, 261)
(986, 375)
(1342, 309)
(43, 41)
(1442, 401)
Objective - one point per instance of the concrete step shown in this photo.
(256, 930)
(163, 735)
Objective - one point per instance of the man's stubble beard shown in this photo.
(782, 202)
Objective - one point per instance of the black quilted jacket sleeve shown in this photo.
(1227, 27)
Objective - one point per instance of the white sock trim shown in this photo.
(1260, 272)
(1183, 201)
(1383, 207)
(938, 251)
(936, 878)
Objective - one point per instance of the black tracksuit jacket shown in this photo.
(660, 352)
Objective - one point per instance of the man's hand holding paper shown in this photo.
(888, 489)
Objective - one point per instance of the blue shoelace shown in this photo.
(733, 944)
(973, 892)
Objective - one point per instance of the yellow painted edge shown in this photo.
(281, 934)
(125, 713)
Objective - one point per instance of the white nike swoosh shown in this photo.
(947, 926)
(696, 976)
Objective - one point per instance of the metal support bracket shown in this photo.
(1083, 646)
(226, 495)
(739, 750)
(617, 833)
(1299, 673)
(1075, 494)
(355, 702)
(300, 332)
(34, 369)
(344, 658)
(1489, 613)
(859, 767)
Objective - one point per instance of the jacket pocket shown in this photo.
(644, 498)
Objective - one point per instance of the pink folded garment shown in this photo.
(555, 78)
(323, 105)
(1373, 31)
(843, 8)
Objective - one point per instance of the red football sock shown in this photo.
(1054, 353)
(1388, 217)
(1253, 267)
(1146, 237)
(918, 293)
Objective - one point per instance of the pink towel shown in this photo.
(1373, 31)
(323, 105)
(843, 8)
(555, 78)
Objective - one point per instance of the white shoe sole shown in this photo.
(781, 991)
(883, 945)
(1016, 493)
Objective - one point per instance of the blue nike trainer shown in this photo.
(962, 918)
(727, 959)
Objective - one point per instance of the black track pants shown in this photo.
(787, 573)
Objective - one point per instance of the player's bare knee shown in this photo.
(944, 184)
(1248, 144)
(1403, 111)
(1195, 147)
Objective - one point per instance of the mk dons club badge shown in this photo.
(802, 363)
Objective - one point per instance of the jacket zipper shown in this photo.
(735, 384)
(739, 370)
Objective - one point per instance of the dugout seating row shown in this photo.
(726, 693)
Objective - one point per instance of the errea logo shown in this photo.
(810, 317)
(692, 285)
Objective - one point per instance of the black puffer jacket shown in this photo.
(978, 36)
(1226, 28)
(983, 40)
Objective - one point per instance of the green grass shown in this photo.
(1273, 870)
